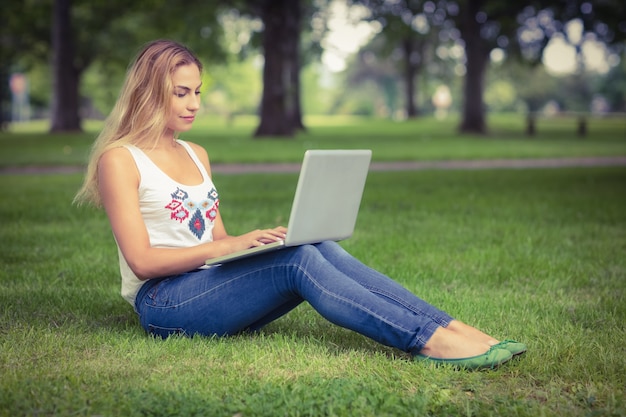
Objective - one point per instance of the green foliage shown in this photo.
(317, 93)
(613, 87)
(235, 88)
(97, 99)
(501, 96)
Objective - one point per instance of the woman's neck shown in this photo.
(167, 140)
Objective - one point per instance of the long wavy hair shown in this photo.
(139, 116)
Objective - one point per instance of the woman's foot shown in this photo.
(516, 348)
(471, 332)
(447, 343)
(464, 347)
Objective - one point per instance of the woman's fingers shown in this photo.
(272, 235)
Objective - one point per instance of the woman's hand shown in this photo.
(258, 238)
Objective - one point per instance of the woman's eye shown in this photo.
(198, 92)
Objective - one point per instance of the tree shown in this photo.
(281, 44)
(113, 31)
(498, 23)
(25, 27)
(284, 51)
(106, 31)
(85, 31)
(281, 21)
(606, 19)
(477, 54)
(65, 71)
(484, 25)
(603, 21)
(411, 28)
(383, 73)
(613, 87)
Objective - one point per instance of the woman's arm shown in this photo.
(118, 182)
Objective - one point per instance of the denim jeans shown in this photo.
(248, 294)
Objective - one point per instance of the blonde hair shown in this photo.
(139, 116)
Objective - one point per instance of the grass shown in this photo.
(535, 255)
(421, 139)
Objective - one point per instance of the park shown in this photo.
(536, 254)
(521, 235)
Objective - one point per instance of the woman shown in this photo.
(164, 212)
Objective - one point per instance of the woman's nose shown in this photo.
(194, 103)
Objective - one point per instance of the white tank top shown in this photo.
(175, 215)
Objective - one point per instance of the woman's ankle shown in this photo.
(471, 332)
(449, 344)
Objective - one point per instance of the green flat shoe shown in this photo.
(516, 348)
(491, 359)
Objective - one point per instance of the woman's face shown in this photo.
(185, 100)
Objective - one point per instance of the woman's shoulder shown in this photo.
(116, 161)
(199, 150)
(115, 155)
(201, 153)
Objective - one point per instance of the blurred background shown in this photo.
(281, 60)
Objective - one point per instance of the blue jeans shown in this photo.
(250, 293)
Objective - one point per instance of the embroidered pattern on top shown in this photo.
(184, 208)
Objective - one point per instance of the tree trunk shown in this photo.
(65, 75)
(477, 55)
(292, 28)
(410, 72)
(275, 112)
(530, 124)
(296, 107)
(5, 96)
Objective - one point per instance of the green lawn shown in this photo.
(421, 139)
(535, 255)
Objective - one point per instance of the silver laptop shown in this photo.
(326, 202)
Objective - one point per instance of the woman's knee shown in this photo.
(306, 257)
(307, 251)
(317, 255)
(333, 250)
(329, 247)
